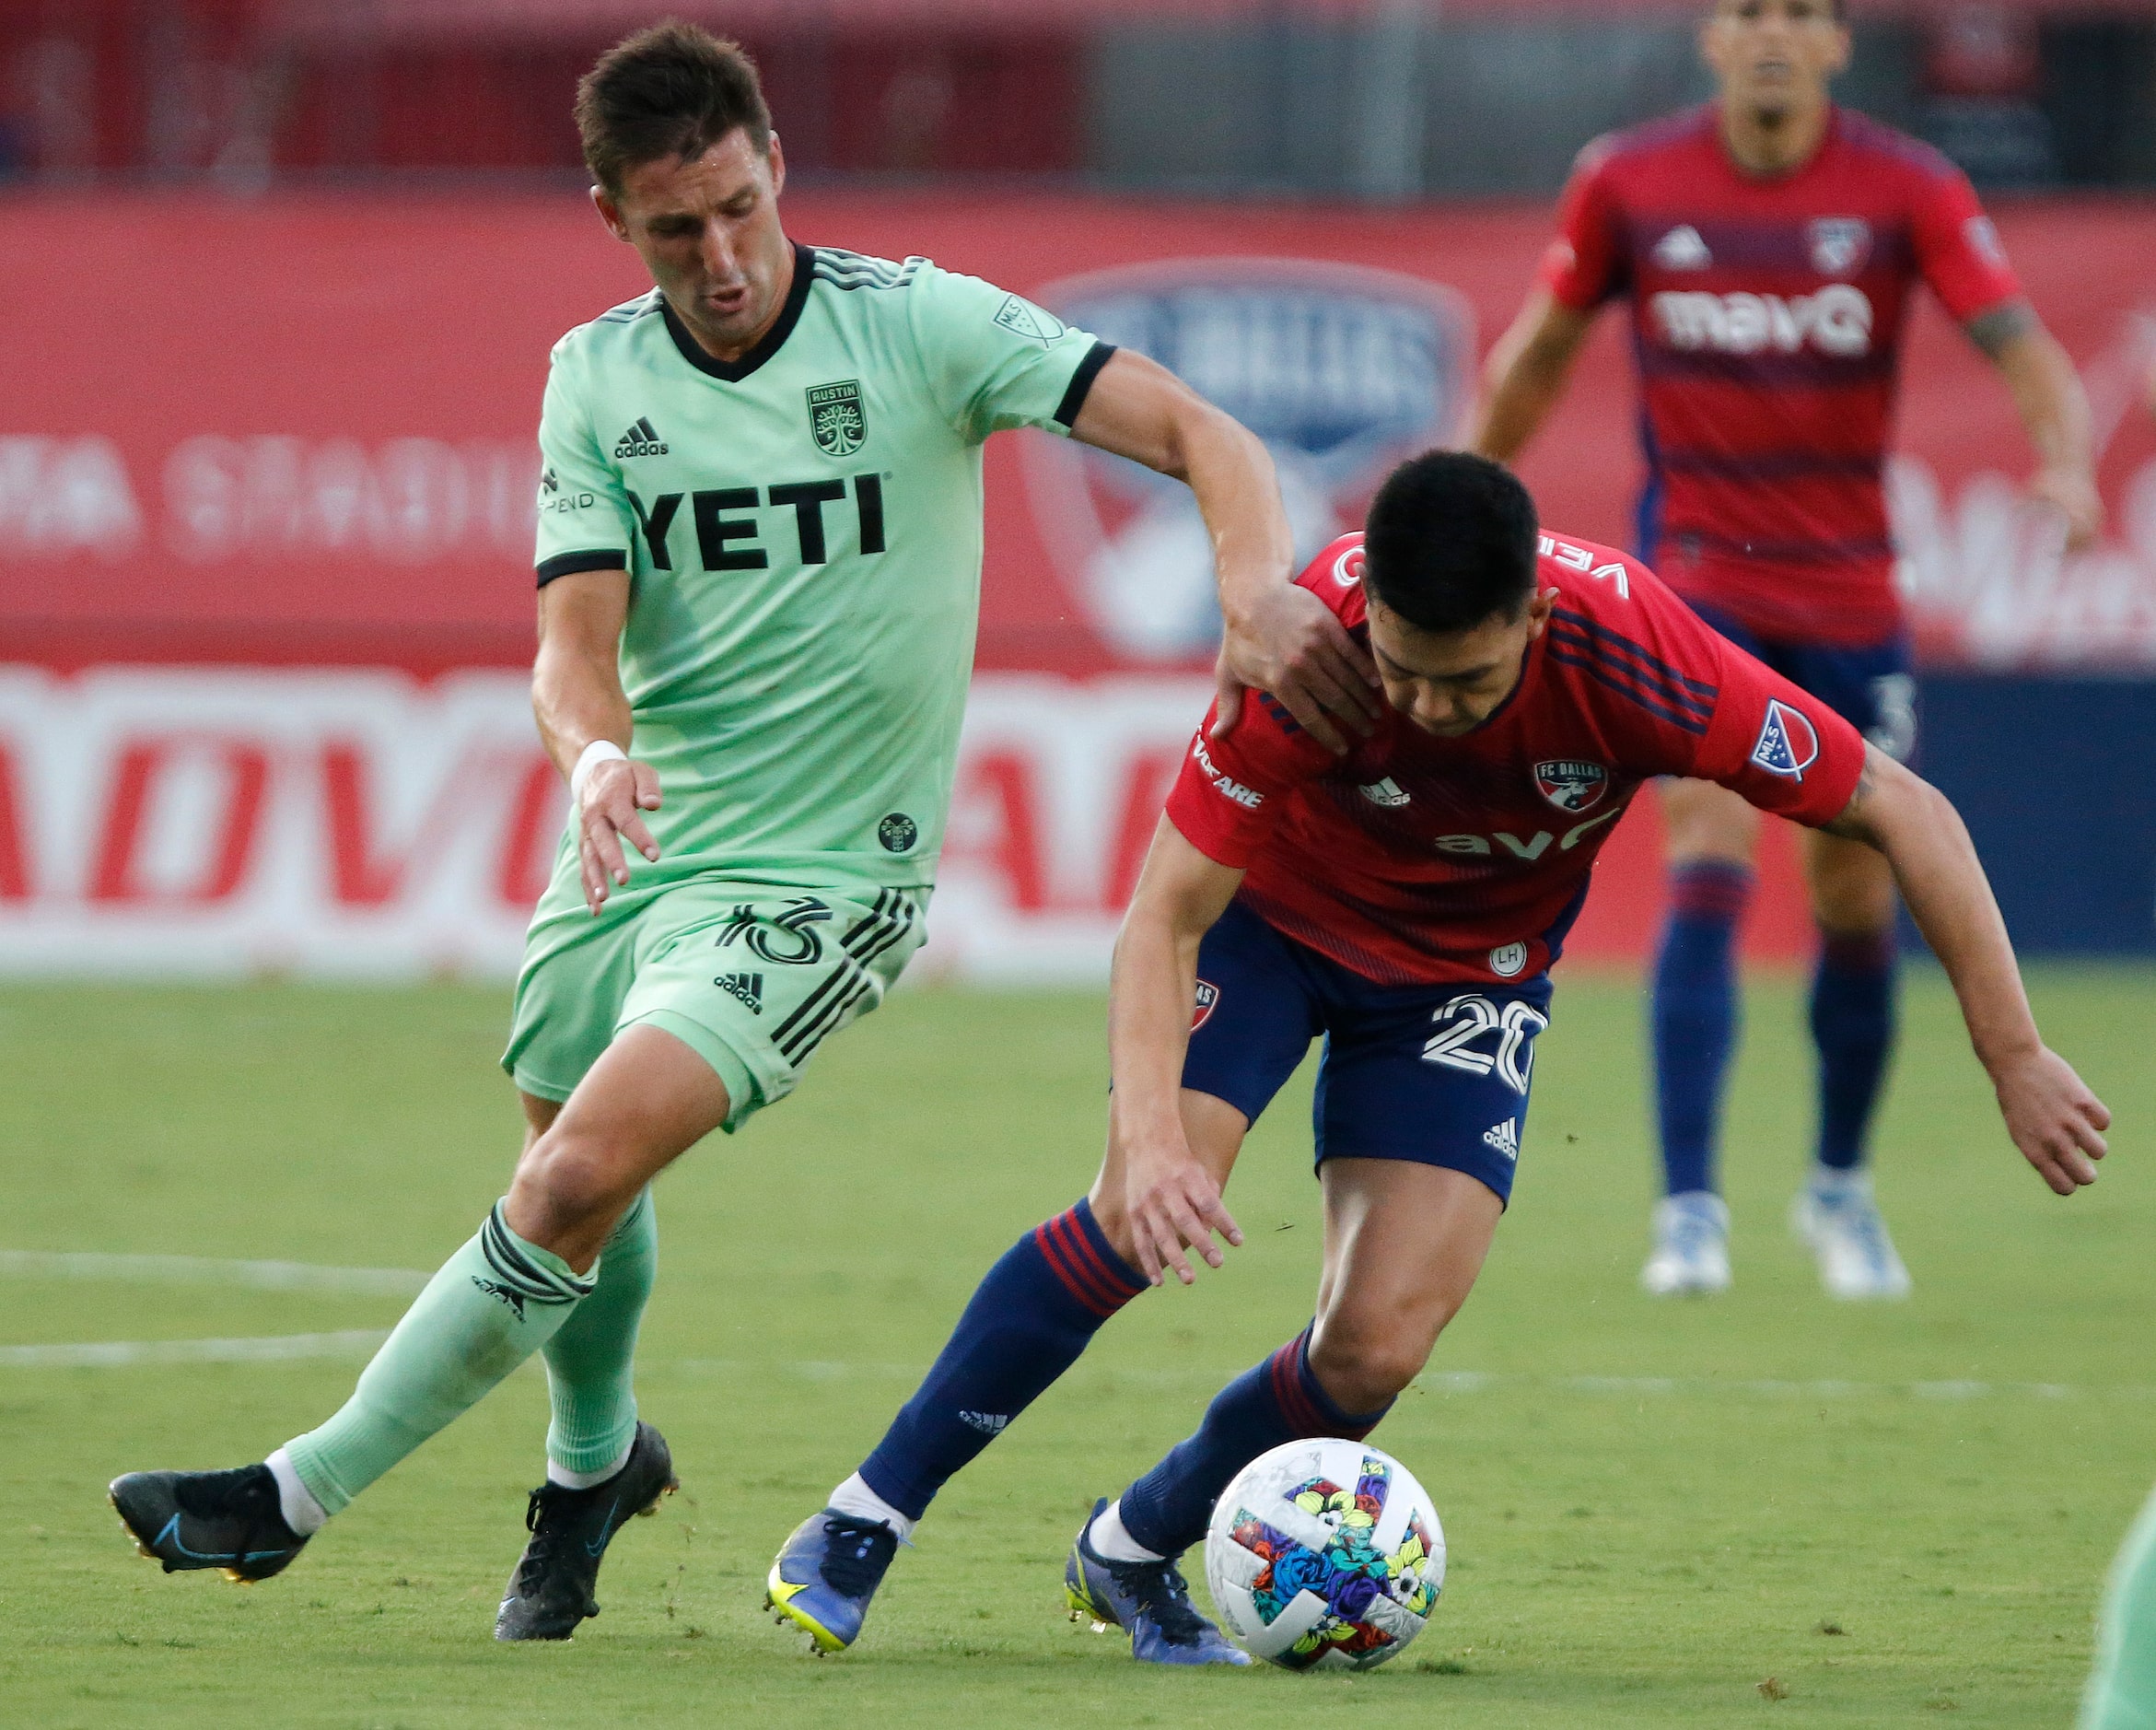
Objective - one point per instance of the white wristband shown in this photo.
(598, 752)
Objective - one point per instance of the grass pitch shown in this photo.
(1767, 1507)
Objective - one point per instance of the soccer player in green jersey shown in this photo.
(758, 562)
(2122, 1688)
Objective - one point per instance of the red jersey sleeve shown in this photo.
(1781, 748)
(1681, 699)
(1958, 250)
(1585, 265)
(1229, 794)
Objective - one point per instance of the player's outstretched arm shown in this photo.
(2054, 1118)
(1278, 637)
(1171, 1198)
(2049, 396)
(1525, 375)
(576, 695)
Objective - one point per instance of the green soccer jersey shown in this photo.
(803, 529)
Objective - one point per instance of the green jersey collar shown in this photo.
(734, 372)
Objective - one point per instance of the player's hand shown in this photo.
(2072, 493)
(1174, 1203)
(1288, 642)
(614, 794)
(2054, 1118)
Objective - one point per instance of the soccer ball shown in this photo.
(1325, 1552)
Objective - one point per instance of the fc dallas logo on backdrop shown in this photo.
(1341, 370)
(1571, 783)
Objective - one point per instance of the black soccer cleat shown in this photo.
(229, 1520)
(550, 1590)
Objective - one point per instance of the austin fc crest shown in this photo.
(837, 418)
(1839, 245)
(1341, 370)
(1572, 784)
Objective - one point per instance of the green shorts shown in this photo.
(752, 976)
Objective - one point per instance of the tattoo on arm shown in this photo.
(1993, 331)
(1854, 824)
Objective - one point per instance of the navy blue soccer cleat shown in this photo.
(552, 1587)
(229, 1520)
(1149, 1599)
(825, 1576)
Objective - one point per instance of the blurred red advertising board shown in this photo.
(300, 431)
(267, 442)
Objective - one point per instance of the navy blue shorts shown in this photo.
(1434, 1073)
(1870, 686)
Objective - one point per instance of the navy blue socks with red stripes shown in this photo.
(1029, 1320)
(1280, 1400)
(1696, 1016)
(1853, 1024)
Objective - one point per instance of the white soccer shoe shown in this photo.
(1691, 1245)
(1835, 1215)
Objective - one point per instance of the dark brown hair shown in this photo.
(672, 90)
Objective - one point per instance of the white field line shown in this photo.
(118, 1354)
(1482, 1381)
(266, 1276)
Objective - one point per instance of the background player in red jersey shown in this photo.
(1404, 902)
(1768, 244)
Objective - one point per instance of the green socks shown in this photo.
(494, 1303)
(2122, 1692)
(589, 1362)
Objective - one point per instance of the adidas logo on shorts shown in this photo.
(1504, 1138)
(747, 986)
(640, 441)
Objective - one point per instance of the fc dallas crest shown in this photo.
(1572, 784)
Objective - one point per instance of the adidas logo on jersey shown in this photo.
(746, 987)
(1385, 792)
(1503, 1139)
(1682, 249)
(640, 441)
(986, 1422)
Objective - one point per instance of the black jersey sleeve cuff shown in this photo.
(1081, 383)
(569, 563)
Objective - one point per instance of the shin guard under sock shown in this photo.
(1028, 1321)
(590, 1362)
(1280, 1400)
(1853, 1025)
(1694, 1016)
(494, 1303)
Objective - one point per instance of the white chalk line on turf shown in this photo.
(268, 1276)
(118, 1354)
(1484, 1381)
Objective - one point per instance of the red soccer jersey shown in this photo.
(1767, 322)
(1417, 860)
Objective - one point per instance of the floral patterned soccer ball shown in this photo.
(1325, 1552)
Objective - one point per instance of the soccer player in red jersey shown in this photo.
(1768, 244)
(1404, 902)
